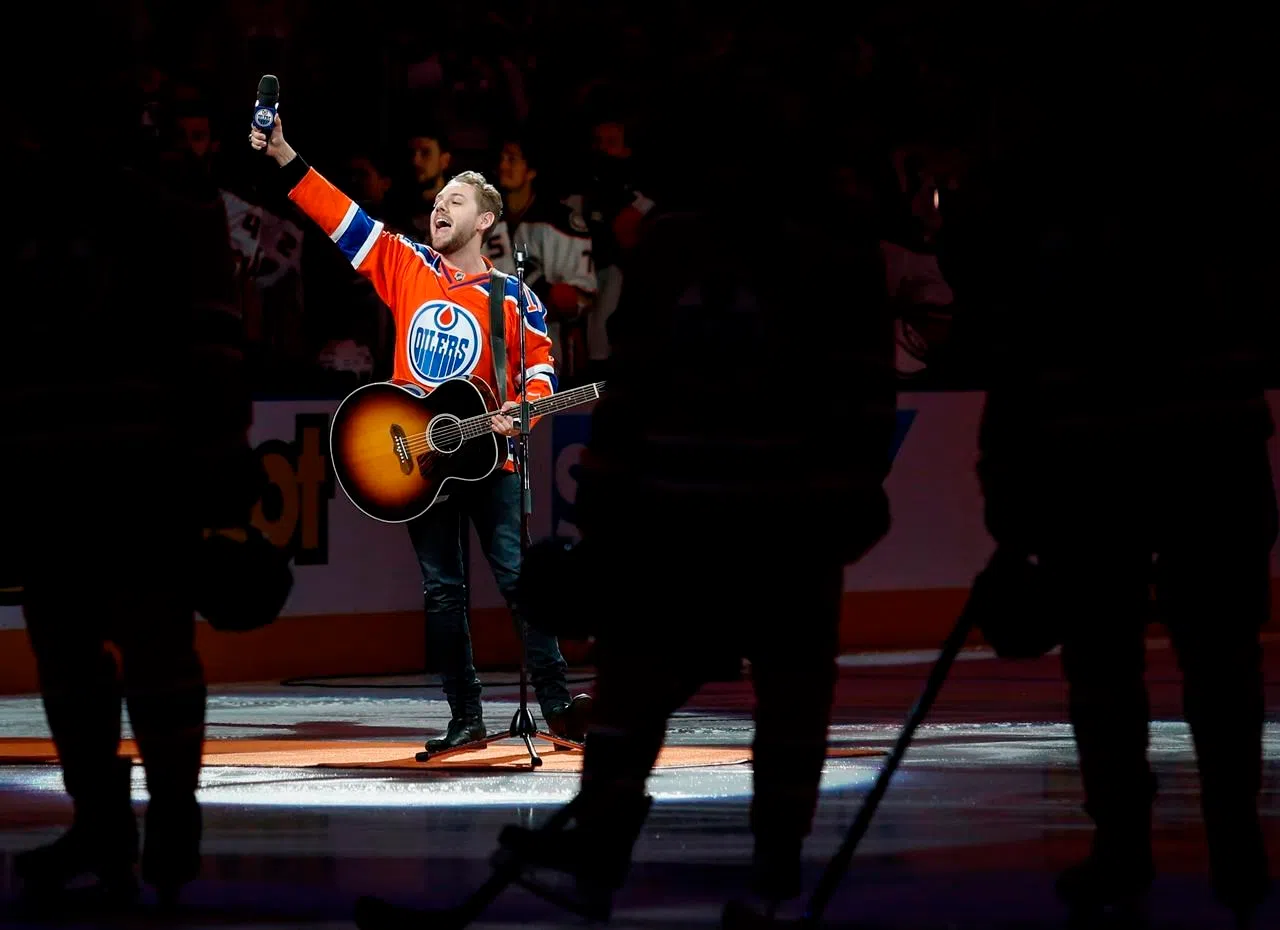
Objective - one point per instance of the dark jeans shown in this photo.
(493, 507)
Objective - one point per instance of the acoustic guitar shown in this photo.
(395, 447)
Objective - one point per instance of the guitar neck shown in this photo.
(478, 426)
(557, 402)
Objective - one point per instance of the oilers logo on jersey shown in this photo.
(444, 342)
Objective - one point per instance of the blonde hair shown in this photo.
(487, 196)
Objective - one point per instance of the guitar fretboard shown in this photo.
(479, 425)
(557, 402)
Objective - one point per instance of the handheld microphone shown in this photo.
(264, 108)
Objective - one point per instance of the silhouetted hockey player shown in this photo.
(1124, 441)
(125, 412)
(735, 467)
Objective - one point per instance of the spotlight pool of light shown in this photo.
(301, 787)
(304, 788)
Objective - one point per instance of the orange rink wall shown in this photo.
(356, 608)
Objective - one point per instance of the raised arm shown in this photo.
(381, 256)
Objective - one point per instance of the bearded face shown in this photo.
(455, 218)
(447, 239)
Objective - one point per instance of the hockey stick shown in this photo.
(739, 917)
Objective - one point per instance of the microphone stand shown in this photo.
(522, 725)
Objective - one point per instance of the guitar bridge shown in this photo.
(401, 443)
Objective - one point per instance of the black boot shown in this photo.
(462, 730)
(569, 721)
(775, 869)
(102, 841)
(596, 852)
(1109, 887)
(171, 852)
(775, 882)
(1239, 867)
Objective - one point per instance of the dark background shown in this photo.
(916, 99)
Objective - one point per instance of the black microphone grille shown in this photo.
(269, 88)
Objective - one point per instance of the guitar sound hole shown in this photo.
(444, 433)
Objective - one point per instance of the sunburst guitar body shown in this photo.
(397, 448)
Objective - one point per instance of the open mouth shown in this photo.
(442, 223)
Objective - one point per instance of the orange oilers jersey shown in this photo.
(441, 314)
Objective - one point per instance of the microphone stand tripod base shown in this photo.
(522, 728)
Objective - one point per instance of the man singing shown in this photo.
(428, 288)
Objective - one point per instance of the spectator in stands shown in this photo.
(359, 325)
(922, 296)
(469, 83)
(194, 133)
(187, 144)
(560, 267)
(614, 208)
(370, 180)
(428, 162)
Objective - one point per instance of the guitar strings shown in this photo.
(472, 427)
(450, 433)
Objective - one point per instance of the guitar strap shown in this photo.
(498, 332)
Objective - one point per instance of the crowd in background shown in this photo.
(555, 101)
(560, 103)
